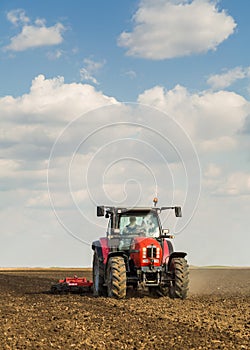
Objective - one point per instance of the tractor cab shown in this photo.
(137, 224)
(134, 223)
(143, 223)
(127, 223)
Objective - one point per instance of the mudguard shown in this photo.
(175, 255)
(167, 248)
(102, 249)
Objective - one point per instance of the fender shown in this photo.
(102, 249)
(168, 249)
(122, 254)
(175, 255)
(96, 246)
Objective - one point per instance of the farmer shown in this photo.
(132, 227)
(130, 230)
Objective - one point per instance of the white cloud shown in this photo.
(236, 184)
(54, 55)
(51, 100)
(31, 122)
(86, 76)
(212, 170)
(90, 69)
(168, 28)
(29, 126)
(220, 81)
(40, 199)
(131, 74)
(226, 181)
(219, 144)
(93, 66)
(36, 35)
(212, 119)
(36, 117)
(17, 17)
(40, 22)
(8, 167)
(213, 176)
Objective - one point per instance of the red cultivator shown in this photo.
(72, 285)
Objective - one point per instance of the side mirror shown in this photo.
(100, 210)
(178, 212)
(165, 231)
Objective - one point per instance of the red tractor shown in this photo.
(137, 252)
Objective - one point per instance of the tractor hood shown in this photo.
(146, 252)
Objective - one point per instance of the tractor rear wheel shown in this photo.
(98, 276)
(179, 287)
(116, 277)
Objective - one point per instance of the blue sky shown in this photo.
(183, 66)
(92, 33)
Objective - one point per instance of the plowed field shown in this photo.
(216, 314)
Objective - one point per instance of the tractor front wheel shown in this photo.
(116, 277)
(179, 284)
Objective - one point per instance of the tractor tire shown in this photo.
(98, 277)
(179, 286)
(116, 278)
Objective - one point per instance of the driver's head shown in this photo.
(132, 219)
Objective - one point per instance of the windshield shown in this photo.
(142, 224)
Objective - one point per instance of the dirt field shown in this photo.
(216, 315)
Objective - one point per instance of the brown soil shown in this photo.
(215, 316)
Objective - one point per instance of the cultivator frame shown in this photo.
(72, 285)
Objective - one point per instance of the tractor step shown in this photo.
(72, 285)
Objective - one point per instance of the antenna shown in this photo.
(155, 201)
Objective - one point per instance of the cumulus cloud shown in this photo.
(31, 123)
(54, 55)
(212, 119)
(213, 170)
(17, 17)
(169, 28)
(221, 144)
(226, 79)
(215, 121)
(246, 127)
(51, 100)
(89, 70)
(33, 35)
(131, 74)
(236, 184)
(8, 167)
